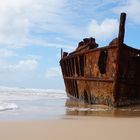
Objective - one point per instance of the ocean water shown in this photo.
(22, 103)
(29, 104)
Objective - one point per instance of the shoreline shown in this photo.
(69, 128)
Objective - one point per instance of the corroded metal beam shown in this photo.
(120, 44)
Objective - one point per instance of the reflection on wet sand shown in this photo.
(77, 108)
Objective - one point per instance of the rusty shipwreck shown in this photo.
(107, 75)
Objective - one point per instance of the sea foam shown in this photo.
(8, 106)
(7, 93)
(10, 97)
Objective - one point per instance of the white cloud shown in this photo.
(45, 43)
(132, 8)
(21, 73)
(18, 18)
(27, 65)
(21, 20)
(12, 3)
(107, 29)
(21, 67)
(53, 72)
(6, 53)
(14, 25)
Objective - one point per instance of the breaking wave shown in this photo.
(7, 106)
(10, 97)
(7, 93)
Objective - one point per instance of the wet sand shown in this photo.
(72, 127)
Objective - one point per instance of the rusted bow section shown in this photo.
(107, 75)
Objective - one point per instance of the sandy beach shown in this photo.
(27, 114)
(80, 128)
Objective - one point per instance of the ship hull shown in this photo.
(109, 75)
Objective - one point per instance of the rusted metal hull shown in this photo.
(109, 75)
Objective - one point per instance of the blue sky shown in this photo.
(32, 33)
